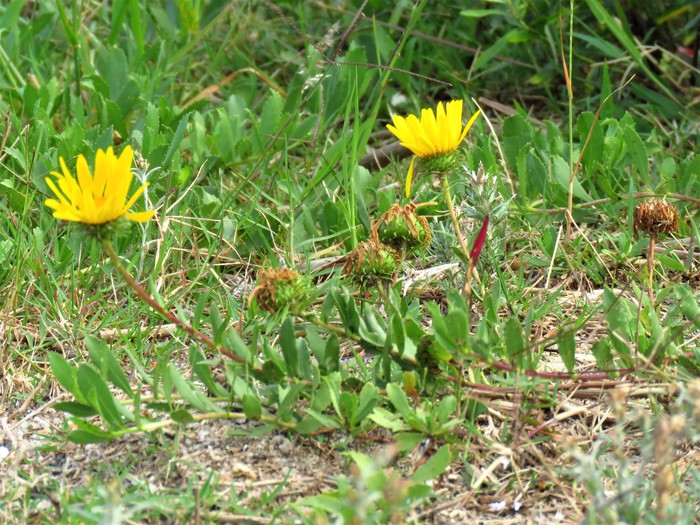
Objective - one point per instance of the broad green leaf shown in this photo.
(371, 329)
(96, 391)
(295, 352)
(67, 376)
(398, 399)
(84, 437)
(191, 394)
(516, 135)
(104, 360)
(76, 409)
(637, 153)
(561, 174)
(323, 419)
(515, 343)
(347, 309)
(176, 139)
(408, 440)
(182, 416)
(288, 398)
(252, 406)
(270, 117)
(602, 353)
(151, 129)
(435, 466)
(389, 420)
(566, 343)
(622, 321)
(202, 368)
(369, 395)
(534, 175)
(689, 304)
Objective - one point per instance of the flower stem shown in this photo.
(650, 267)
(453, 214)
(148, 299)
(466, 289)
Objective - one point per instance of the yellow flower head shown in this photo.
(100, 198)
(431, 135)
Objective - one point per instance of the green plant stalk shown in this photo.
(453, 214)
(570, 94)
(157, 425)
(148, 299)
(650, 267)
(466, 289)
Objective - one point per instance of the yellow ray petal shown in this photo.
(409, 177)
(140, 216)
(469, 125)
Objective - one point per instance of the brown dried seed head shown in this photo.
(656, 216)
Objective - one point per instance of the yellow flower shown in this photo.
(431, 136)
(100, 198)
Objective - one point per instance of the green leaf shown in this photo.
(260, 430)
(408, 440)
(104, 360)
(532, 175)
(288, 397)
(517, 134)
(398, 399)
(389, 420)
(689, 304)
(83, 437)
(435, 466)
(202, 368)
(67, 376)
(348, 406)
(637, 153)
(561, 174)
(113, 68)
(252, 406)
(295, 351)
(270, 117)
(76, 409)
(602, 353)
(151, 128)
(176, 139)
(182, 416)
(621, 317)
(445, 409)
(193, 396)
(324, 420)
(479, 13)
(347, 309)
(369, 395)
(566, 343)
(371, 329)
(96, 391)
(515, 343)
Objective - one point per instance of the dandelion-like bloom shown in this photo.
(432, 135)
(99, 198)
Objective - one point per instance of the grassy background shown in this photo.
(251, 121)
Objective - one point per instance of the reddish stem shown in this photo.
(148, 298)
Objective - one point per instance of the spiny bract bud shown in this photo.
(402, 228)
(280, 288)
(370, 262)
